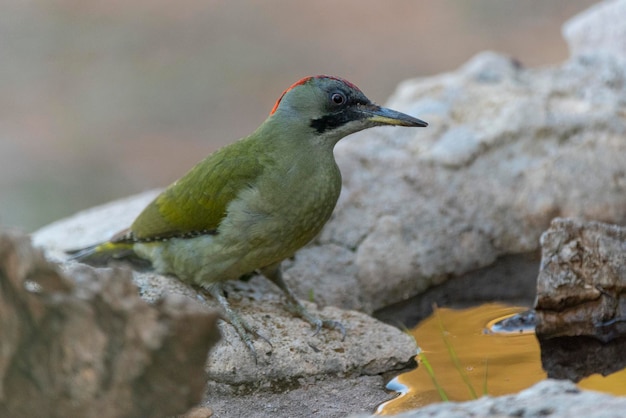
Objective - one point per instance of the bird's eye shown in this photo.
(338, 98)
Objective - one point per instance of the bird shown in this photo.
(253, 203)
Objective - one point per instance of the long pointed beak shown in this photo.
(383, 116)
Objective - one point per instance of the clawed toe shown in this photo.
(330, 324)
(244, 330)
(274, 274)
(260, 336)
(338, 326)
(316, 322)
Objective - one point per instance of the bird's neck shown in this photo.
(300, 159)
(295, 134)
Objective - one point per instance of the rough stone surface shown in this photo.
(85, 344)
(581, 288)
(549, 398)
(331, 397)
(370, 347)
(598, 29)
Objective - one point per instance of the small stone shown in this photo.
(581, 286)
(199, 412)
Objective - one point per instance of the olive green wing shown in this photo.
(197, 202)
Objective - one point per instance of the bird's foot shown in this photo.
(331, 324)
(246, 332)
(316, 322)
(274, 274)
(243, 329)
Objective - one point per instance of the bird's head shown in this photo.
(332, 108)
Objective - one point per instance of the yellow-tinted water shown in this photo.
(493, 364)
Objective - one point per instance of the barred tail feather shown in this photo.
(101, 254)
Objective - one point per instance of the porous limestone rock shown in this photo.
(83, 343)
(581, 288)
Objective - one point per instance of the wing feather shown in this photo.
(197, 202)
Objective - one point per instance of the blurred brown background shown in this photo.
(105, 98)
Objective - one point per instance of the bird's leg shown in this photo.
(241, 326)
(275, 275)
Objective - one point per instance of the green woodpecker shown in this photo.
(255, 202)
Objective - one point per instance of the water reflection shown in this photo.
(468, 356)
(575, 358)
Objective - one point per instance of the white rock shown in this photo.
(549, 398)
(601, 28)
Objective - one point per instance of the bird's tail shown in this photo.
(101, 254)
